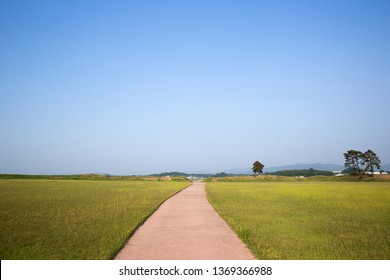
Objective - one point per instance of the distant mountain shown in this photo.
(316, 166)
(242, 171)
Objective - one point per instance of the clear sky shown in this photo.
(138, 87)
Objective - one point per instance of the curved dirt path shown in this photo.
(185, 227)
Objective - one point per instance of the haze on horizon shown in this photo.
(141, 87)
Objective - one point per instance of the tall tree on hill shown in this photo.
(371, 161)
(360, 163)
(353, 159)
(257, 167)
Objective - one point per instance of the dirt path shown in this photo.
(185, 227)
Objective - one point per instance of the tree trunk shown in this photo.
(362, 173)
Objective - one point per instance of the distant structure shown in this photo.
(338, 173)
(376, 173)
(195, 178)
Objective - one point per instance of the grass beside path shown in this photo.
(49, 219)
(277, 178)
(307, 220)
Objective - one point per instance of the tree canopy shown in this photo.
(353, 160)
(257, 167)
(360, 163)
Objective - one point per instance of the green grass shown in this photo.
(49, 219)
(307, 220)
(278, 178)
(94, 177)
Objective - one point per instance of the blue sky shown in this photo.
(138, 87)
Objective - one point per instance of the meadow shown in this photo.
(276, 178)
(75, 219)
(307, 220)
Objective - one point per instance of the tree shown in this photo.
(359, 163)
(352, 160)
(257, 167)
(371, 161)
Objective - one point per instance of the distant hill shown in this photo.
(316, 166)
(181, 174)
(243, 171)
(302, 172)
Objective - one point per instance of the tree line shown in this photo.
(302, 172)
(358, 163)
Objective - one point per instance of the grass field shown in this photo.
(276, 178)
(307, 220)
(68, 219)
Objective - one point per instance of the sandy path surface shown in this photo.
(185, 227)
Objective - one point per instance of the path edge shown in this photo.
(116, 252)
(208, 200)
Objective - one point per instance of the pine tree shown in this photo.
(257, 167)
